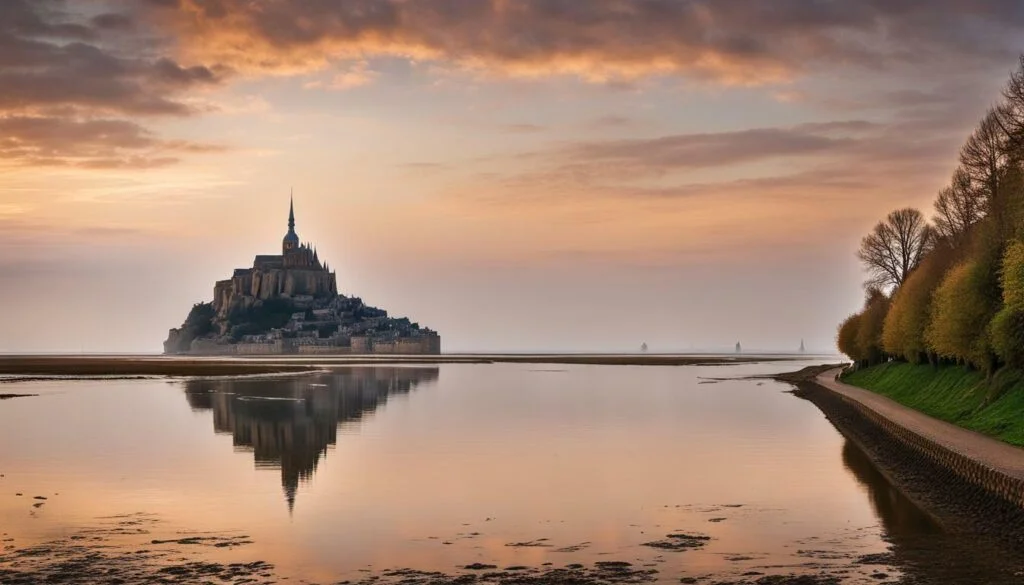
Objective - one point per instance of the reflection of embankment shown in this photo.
(899, 516)
(921, 549)
(975, 543)
(289, 423)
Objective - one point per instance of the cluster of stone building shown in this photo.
(321, 320)
(354, 328)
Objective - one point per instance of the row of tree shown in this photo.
(953, 290)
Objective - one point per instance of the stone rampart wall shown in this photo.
(204, 347)
(997, 483)
(258, 348)
(359, 345)
(324, 349)
(962, 493)
(402, 345)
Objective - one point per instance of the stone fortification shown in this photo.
(960, 491)
(289, 304)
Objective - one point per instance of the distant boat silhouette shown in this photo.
(643, 346)
(738, 348)
(802, 346)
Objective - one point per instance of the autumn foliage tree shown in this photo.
(860, 335)
(957, 287)
(846, 337)
(869, 329)
(960, 314)
(1007, 327)
(910, 310)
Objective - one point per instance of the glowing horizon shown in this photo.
(515, 174)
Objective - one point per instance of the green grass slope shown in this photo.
(954, 394)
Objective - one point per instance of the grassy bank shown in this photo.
(954, 394)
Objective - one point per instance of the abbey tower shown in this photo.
(296, 272)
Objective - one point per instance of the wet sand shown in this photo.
(126, 366)
(640, 360)
(139, 548)
(142, 549)
(138, 366)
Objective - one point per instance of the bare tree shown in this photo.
(1012, 118)
(894, 247)
(984, 157)
(959, 206)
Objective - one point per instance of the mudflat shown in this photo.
(138, 366)
(700, 471)
(239, 366)
(640, 360)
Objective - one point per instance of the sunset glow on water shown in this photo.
(438, 467)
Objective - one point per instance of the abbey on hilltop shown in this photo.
(297, 271)
(289, 303)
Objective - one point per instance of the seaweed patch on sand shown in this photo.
(679, 542)
(122, 550)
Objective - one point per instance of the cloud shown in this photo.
(357, 74)
(75, 87)
(611, 121)
(112, 21)
(522, 128)
(591, 164)
(694, 151)
(743, 42)
(431, 166)
(38, 69)
(28, 236)
(424, 169)
(104, 60)
(790, 167)
(89, 144)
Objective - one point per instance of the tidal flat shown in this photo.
(493, 472)
(27, 367)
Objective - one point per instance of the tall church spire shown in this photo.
(291, 239)
(291, 211)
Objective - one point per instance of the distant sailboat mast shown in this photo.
(802, 350)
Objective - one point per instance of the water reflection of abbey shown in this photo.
(288, 423)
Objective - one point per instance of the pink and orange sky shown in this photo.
(518, 174)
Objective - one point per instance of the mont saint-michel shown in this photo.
(288, 303)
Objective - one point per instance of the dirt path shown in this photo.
(990, 452)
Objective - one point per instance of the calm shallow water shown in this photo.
(346, 474)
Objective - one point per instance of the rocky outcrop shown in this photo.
(198, 324)
(289, 303)
(301, 324)
(173, 342)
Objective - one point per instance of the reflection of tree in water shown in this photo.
(288, 423)
(921, 549)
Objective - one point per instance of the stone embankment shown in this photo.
(967, 481)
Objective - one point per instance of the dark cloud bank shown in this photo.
(81, 79)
